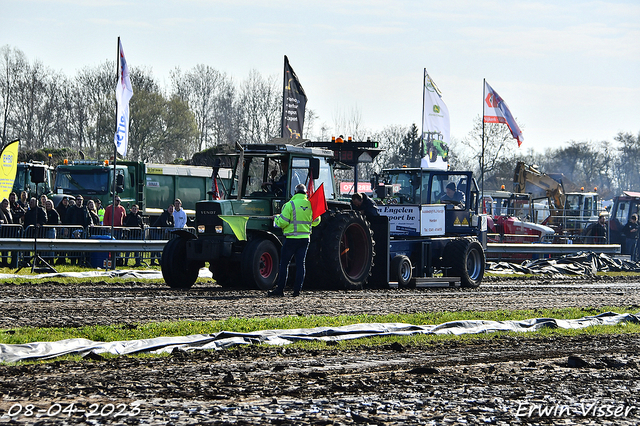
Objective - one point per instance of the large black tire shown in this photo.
(260, 261)
(177, 272)
(465, 258)
(401, 271)
(347, 251)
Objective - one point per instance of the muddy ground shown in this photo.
(503, 380)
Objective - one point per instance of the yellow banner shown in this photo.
(238, 225)
(8, 169)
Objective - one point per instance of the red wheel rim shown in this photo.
(266, 265)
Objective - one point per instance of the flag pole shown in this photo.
(424, 87)
(115, 154)
(284, 101)
(482, 156)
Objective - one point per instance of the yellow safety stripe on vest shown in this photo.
(295, 222)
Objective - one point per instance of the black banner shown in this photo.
(294, 102)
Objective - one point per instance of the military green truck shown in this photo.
(347, 250)
(30, 171)
(152, 186)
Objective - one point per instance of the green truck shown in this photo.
(152, 186)
(27, 173)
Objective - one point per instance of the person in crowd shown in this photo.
(17, 212)
(295, 221)
(114, 214)
(453, 196)
(596, 233)
(43, 201)
(35, 216)
(5, 219)
(630, 231)
(61, 208)
(134, 220)
(53, 220)
(24, 200)
(100, 210)
(179, 215)
(93, 213)
(164, 221)
(363, 203)
(77, 214)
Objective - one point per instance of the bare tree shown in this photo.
(261, 108)
(12, 66)
(206, 91)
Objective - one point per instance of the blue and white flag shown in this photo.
(497, 111)
(124, 92)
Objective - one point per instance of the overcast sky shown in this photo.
(569, 70)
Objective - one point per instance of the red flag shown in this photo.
(310, 188)
(318, 202)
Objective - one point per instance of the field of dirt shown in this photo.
(502, 380)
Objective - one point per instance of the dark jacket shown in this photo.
(165, 220)
(62, 212)
(95, 219)
(368, 207)
(17, 212)
(133, 220)
(595, 234)
(35, 216)
(5, 216)
(78, 216)
(628, 228)
(53, 218)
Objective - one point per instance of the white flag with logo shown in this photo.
(435, 127)
(124, 92)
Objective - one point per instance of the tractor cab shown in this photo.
(422, 202)
(423, 186)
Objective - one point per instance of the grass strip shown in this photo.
(183, 328)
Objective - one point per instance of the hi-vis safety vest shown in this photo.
(296, 217)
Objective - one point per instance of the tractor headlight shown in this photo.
(200, 229)
(219, 229)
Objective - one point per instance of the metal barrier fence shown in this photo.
(93, 246)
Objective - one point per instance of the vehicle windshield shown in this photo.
(406, 185)
(82, 181)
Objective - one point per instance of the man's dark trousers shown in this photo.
(292, 247)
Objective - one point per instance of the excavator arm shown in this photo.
(525, 174)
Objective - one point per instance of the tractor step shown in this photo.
(437, 282)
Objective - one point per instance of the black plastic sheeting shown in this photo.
(225, 339)
(582, 263)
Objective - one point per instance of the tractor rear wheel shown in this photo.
(348, 250)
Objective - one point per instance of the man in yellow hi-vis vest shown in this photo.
(295, 221)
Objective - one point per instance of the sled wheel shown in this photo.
(466, 260)
(402, 270)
